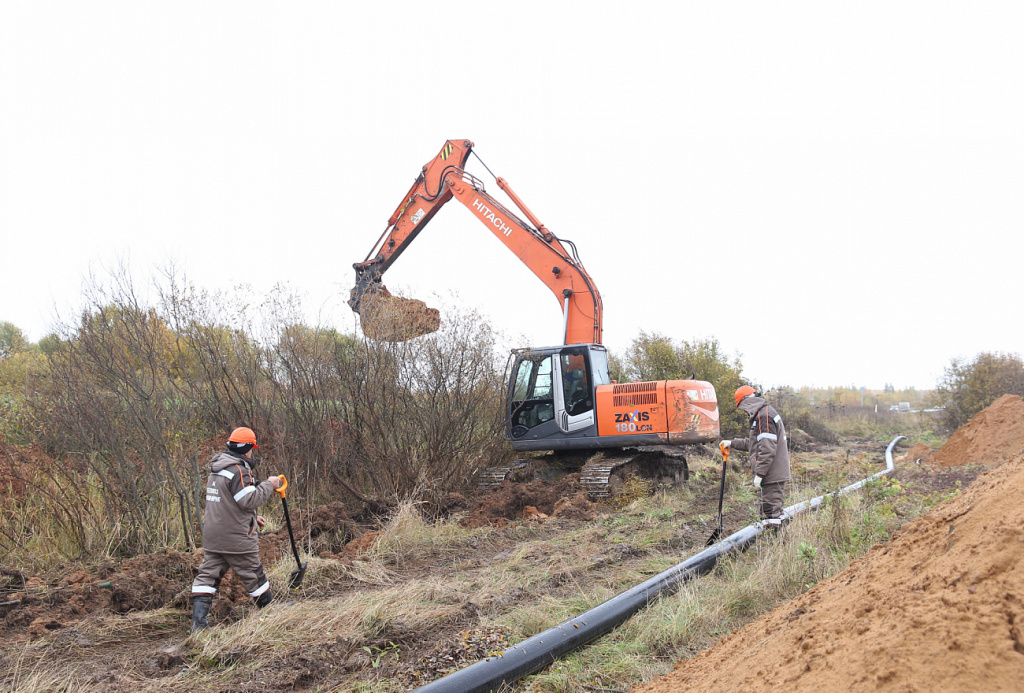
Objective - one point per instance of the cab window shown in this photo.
(575, 380)
(532, 398)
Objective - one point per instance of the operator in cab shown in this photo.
(768, 453)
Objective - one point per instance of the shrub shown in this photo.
(139, 393)
(967, 387)
(656, 357)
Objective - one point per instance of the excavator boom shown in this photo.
(384, 316)
(559, 399)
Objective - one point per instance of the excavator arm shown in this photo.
(554, 261)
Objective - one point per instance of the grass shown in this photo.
(422, 584)
(814, 546)
(27, 676)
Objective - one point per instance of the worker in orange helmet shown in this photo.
(768, 453)
(231, 525)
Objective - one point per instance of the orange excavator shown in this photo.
(559, 399)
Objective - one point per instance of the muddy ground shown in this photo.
(49, 612)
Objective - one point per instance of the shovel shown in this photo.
(296, 577)
(720, 529)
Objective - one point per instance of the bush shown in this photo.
(967, 387)
(797, 413)
(137, 394)
(656, 357)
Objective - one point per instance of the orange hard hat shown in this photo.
(744, 391)
(243, 435)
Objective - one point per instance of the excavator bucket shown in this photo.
(388, 318)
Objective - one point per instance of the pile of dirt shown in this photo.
(32, 606)
(36, 605)
(510, 502)
(329, 522)
(993, 435)
(940, 607)
(918, 452)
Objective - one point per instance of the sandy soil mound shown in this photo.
(939, 608)
(992, 436)
(914, 454)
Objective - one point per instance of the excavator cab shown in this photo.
(551, 395)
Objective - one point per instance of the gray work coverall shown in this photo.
(768, 455)
(230, 536)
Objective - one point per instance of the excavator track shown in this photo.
(493, 476)
(601, 474)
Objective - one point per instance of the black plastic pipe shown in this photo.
(533, 654)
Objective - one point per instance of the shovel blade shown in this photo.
(716, 536)
(295, 579)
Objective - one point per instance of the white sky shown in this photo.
(833, 190)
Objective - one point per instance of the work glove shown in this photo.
(757, 482)
(725, 444)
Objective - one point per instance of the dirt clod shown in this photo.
(510, 501)
(389, 318)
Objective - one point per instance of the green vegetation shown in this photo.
(968, 386)
(657, 357)
(106, 424)
(114, 420)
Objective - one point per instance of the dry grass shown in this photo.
(356, 615)
(106, 630)
(425, 578)
(35, 675)
(408, 536)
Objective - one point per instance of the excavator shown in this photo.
(559, 399)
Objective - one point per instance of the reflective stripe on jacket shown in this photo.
(232, 496)
(766, 441)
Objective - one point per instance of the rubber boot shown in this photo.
(771, 530)
(264, 599)
(200, 610)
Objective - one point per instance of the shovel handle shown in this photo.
(291, 535)
(721, 446)
(284, 484)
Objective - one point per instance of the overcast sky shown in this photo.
(834, 191)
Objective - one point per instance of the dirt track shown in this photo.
(939, 608)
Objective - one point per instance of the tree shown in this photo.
(967, 387)
(12, 340)
(657, 357)
(652, 357)
(20, 362)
